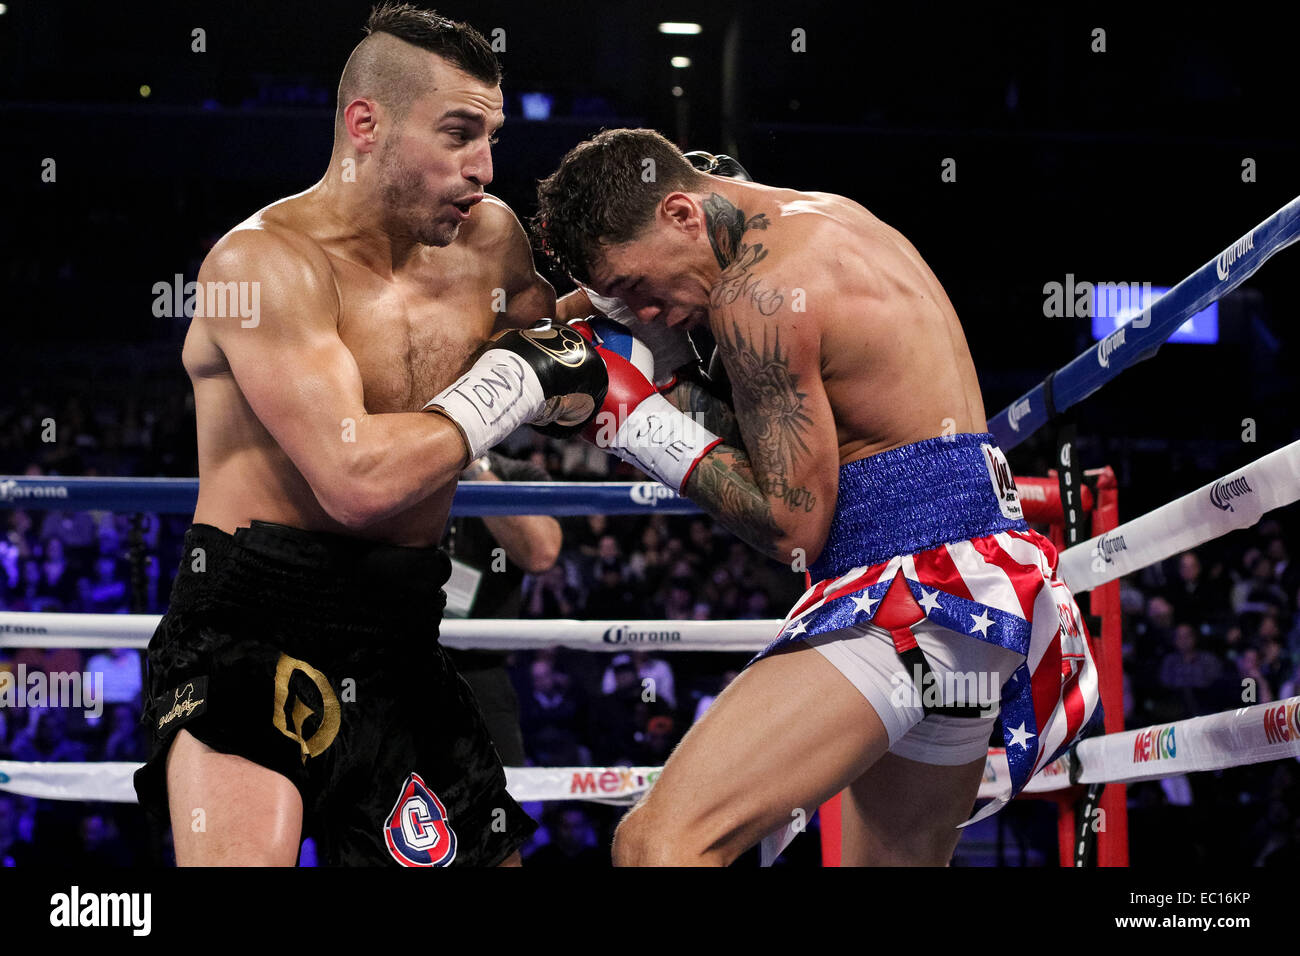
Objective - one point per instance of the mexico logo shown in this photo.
(417, 831)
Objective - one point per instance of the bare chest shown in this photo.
(411, 338)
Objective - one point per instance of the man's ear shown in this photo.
(682, 211)
(361, 122)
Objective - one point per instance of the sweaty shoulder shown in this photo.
(825, 241)
(493, 225)
(287, 264)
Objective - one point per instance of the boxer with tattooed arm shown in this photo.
(860, 447)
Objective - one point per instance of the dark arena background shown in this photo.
(1023, 151)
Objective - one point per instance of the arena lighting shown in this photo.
(681, 29)
(1112, 309)
(536, 106)
(681, 62)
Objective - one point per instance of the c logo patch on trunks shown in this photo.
(326, 728)
(417, 831)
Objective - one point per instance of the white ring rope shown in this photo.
(1233, 738)
(110, 782)
(1237, 500)
(37, 629)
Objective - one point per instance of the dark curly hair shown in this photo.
(604, 193)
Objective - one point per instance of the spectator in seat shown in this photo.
(48, 741)
(1188, 672)
(572, 843)
(551, 715)
(106, 592)
(646, 667)
(122, 677)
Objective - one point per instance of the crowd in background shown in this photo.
(1206, 631)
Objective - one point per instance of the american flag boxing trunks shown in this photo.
(934, 531)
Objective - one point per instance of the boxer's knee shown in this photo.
(639, 840)
(648, 838)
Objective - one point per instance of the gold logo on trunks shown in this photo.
(183, 704)
(326, 730)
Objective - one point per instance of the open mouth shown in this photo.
(465, 205)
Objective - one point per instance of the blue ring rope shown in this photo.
(179, 496)
(1141, 337)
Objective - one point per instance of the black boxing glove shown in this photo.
(719, 164)
(542, 376)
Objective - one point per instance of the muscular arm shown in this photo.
(530, 541)
(778, 493)
(304, 386)
(529, 298)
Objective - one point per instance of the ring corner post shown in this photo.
(1112, 840)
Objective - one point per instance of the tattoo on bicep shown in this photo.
(775, 423)
(727, 227)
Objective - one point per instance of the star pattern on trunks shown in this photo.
(981, 623)
(930, 601)
(864, 602)
(1020, 736)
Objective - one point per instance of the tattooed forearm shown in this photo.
(795, 498)
(723, 485)
(769, 407)
(707, 409)
(764, 386)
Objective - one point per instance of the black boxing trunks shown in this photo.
(317, 656)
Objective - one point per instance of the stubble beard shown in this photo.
(401, 189)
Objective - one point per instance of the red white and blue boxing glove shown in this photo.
(671, 348)
(635, 422)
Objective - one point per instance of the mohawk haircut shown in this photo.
(385, 70)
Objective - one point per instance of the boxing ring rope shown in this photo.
(1233, 738)
(1235, 500)
(472, 499)
(1228, 503)
(49, 630)
(1142, 336)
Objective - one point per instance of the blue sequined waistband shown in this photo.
(911, 499)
